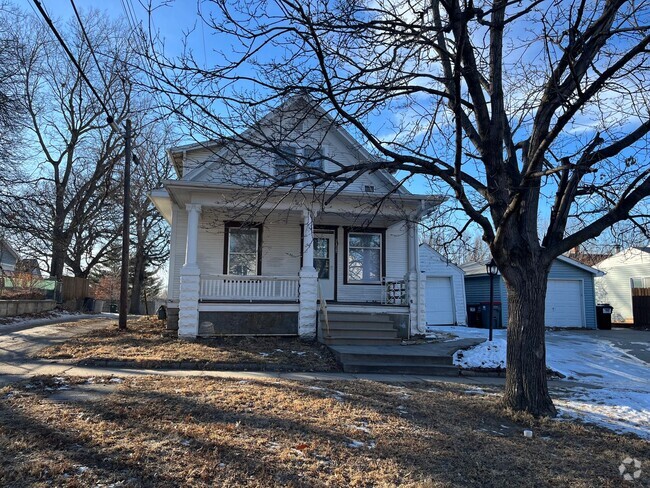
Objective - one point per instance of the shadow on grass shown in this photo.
(202, 431)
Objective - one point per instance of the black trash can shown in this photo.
(496, 315)
(113, 307)
(474, 315)
(604, 316)
(89, 304)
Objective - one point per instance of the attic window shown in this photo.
(285, 164)
(369, 188)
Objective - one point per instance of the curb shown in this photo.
(185, 366)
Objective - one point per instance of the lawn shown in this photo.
(145, 345)
(167, 432)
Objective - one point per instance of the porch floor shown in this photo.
(431, 358)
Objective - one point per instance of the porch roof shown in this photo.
(402, 206)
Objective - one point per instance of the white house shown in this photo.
(624, 270)
(444, 289)
(251, 256)
(8, 257)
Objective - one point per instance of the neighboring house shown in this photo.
(444, 289)
(250, 259)
(8, 257)
(570, 295)
(624, 270)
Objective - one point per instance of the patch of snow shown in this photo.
(620, 411)
(52, 317)
(264, 354)
(620, 400)
(488, 354)
(116, 380)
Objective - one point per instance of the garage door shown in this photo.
(564, 304)
(439, 301)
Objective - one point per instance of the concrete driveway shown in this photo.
(634, 342)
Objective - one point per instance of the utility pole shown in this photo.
(124, 281)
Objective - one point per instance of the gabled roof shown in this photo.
(218, 146)
(428, 248)
(6, 247)
(478, 268)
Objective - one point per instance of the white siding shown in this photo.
(242, 162)
(396, 266)
(178, 241)
(433, 264)
(615, 287)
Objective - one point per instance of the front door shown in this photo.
(324, 263)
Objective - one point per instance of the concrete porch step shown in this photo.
(369, 358)
(356, 318)
(359, 325)
(396, 368)
(360, 332)
(360, 340)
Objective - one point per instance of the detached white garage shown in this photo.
(565, 303)
(444, 290)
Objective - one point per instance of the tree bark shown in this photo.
(526, 387)
(137, 284)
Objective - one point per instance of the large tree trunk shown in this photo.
(138, 280)
(526, 387)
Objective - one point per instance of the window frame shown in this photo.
(228, 227)
(281, 161)
(382, 254)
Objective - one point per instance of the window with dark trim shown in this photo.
(364, 256)
(242, 251)
(285, 164)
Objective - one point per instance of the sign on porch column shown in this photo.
(188, 314)
(308, 282)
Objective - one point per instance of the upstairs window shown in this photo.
(242, 250)
(286, 169)
(315, 160)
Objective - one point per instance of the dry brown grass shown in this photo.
(145, 345)
(165, 432)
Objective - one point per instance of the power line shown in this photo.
(92, 52)
(72, 58)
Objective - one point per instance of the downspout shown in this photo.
(417, 216)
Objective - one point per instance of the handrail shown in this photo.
(323, 308)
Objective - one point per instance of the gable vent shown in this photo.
(369, 188)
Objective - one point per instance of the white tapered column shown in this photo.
(188, 314)
(308, 282)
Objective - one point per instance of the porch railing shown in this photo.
(394, 292)
(249, 288)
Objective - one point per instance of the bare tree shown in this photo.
(526, 112)
(65, 202)
(150, 231)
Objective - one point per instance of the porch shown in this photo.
(286, 289)
(268, 273)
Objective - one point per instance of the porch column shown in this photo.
(188, 315)
(308, 282)
(415, 283)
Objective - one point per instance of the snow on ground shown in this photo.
(618, 384)
(42, 319)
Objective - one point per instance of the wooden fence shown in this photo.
(75, 288)
(641, 307)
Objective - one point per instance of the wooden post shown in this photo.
(124, 279)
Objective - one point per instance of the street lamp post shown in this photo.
(492, 270)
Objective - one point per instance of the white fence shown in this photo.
(250, 288)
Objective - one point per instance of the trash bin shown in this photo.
(113, 308)
(474, 315)
(88, 305)
(496, 315)
(604, 316)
